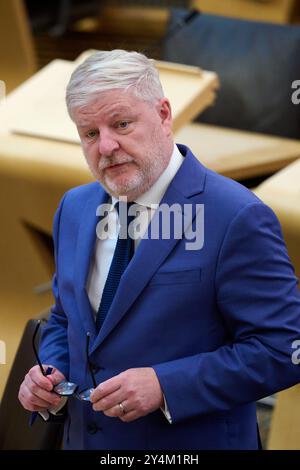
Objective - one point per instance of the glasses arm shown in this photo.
(88, 360)
(34, 347)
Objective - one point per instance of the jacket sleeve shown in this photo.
(54, 341)
(259, 301)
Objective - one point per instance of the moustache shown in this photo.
(108, 161)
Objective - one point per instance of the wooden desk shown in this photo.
(37, 108)
(275, 11)
(238, 154)
(282, 193)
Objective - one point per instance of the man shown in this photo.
(189, 334)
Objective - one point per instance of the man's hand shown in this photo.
(129, 395)
(36, 393)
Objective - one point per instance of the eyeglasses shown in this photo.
(65, 388)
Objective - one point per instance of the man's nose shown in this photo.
(107, 143)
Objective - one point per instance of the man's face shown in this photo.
(127, 142)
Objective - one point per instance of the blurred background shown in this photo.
(250, 133)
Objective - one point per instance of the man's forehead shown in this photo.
(110, 111)
(120, 110)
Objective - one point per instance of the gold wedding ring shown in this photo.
(122, 408)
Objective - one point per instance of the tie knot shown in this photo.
(123, 209)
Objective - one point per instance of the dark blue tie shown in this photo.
(122, 255)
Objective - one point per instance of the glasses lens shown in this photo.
(65, 389)
(85, 395)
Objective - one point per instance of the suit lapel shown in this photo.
(184, 189)
(84, 251)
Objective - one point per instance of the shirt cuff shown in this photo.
(166, 411)
(54, 410)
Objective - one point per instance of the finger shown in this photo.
(109, 401)
(130, 416)
(130, 411)
(114, 412)
(106, 388)
(119, 410)
(22, 397)
(49, 398)
(30, 402)
(39, 379)
(56, 376)
(127, 418)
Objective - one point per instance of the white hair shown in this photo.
(116, 69)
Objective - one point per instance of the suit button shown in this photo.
(92, 428)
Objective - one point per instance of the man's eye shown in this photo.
(123, 124)
(91, 134)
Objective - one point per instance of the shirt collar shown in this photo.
(154, 195)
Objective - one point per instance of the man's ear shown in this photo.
(165, 113)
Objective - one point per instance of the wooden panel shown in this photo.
(285, 429)
(127, 20)
(277, 11)
(17, 55)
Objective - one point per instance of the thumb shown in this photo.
(56, 376)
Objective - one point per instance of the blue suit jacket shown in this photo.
(217, 323)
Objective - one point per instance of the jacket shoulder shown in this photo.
(77, 197)
(84, 191)
(219, 192)
(227, 194)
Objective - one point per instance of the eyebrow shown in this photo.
(83, 126)
(123, 109)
